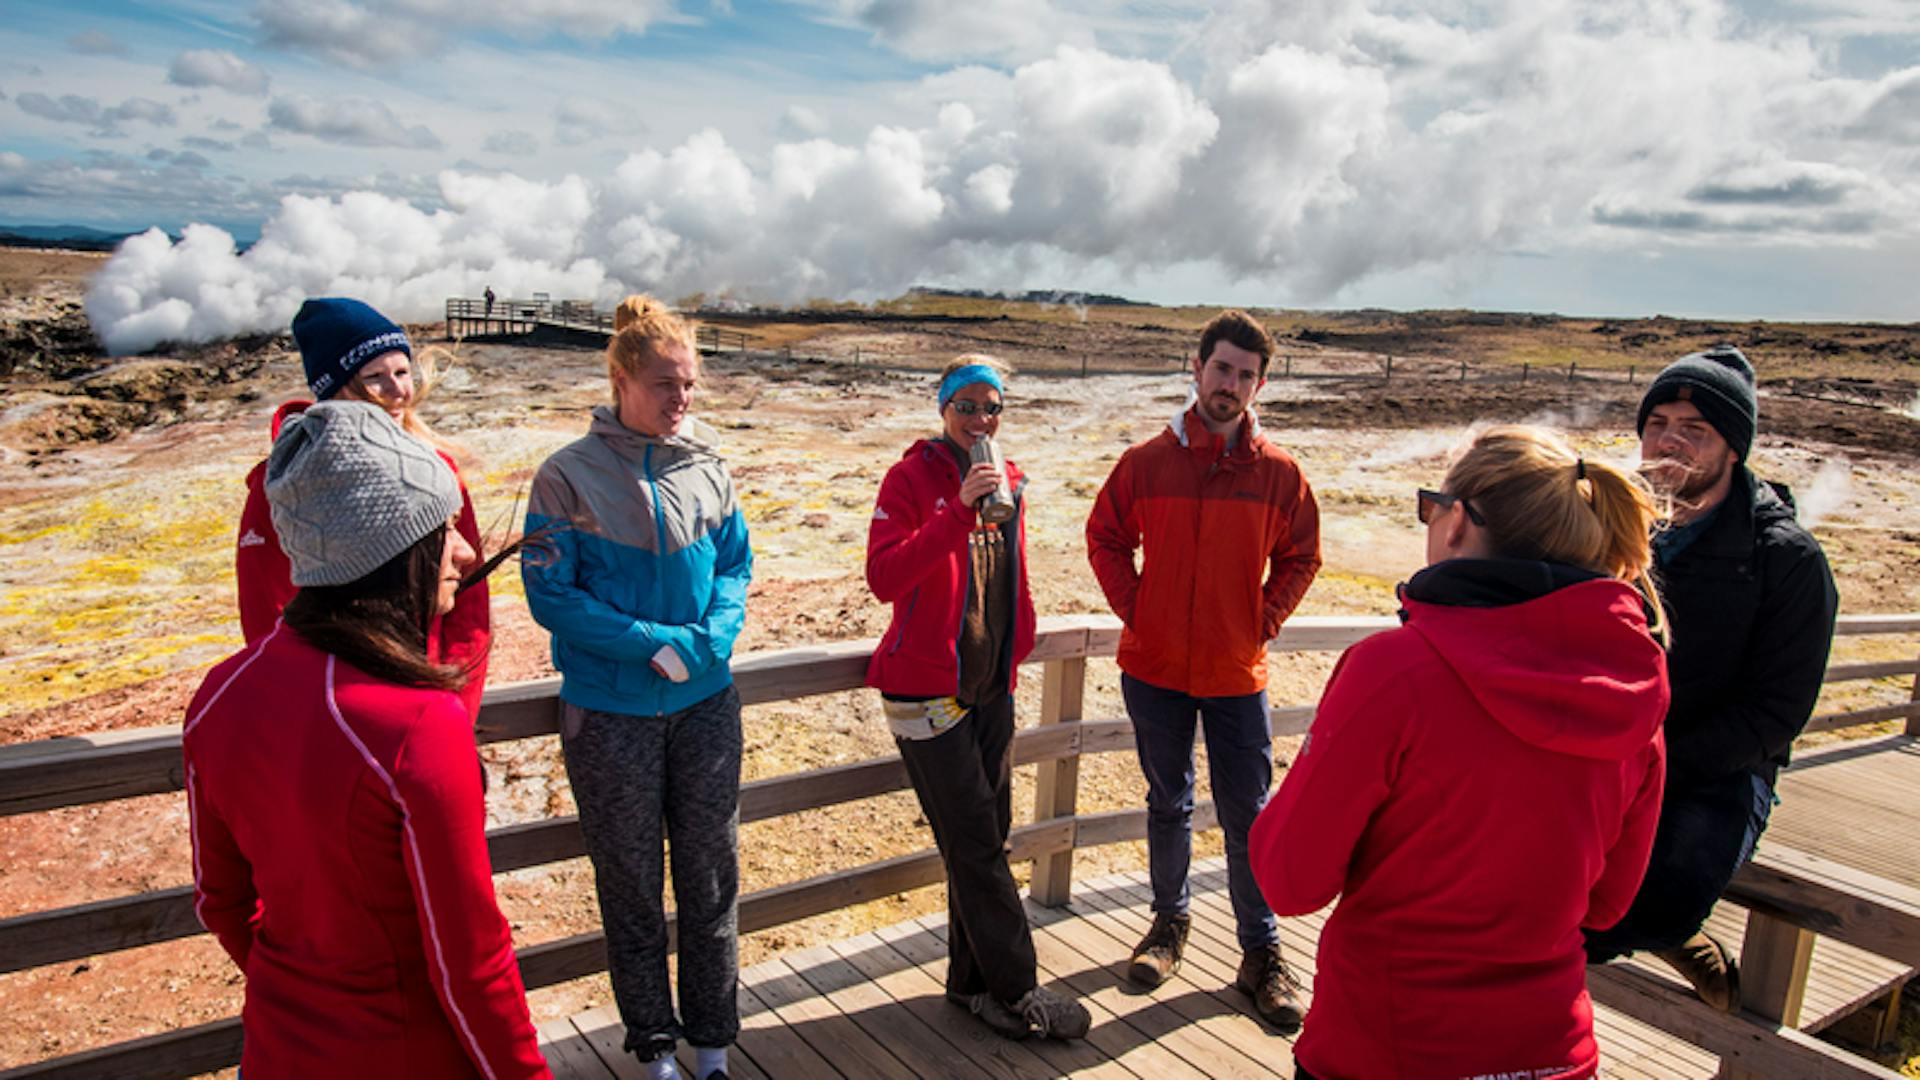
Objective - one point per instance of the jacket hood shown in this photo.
(938, 448)
(695, 437)
(1559, 657)
(1250, 433)
(290, 408)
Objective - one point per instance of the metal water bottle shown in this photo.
(996, 506)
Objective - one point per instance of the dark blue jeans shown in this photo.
(1240, 758)
(1706, 832)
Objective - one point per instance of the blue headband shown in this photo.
(967, 376)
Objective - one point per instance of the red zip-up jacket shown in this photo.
(264, 580)
(340, 856)
(1478, 785)
(917, 561)
(1232, 539)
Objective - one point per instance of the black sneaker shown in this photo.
(1157, 956)
(1052, 1016)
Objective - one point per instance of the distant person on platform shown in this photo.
(353, 353)
(1231, 535)
(947, 547)
(1752, 604)
(489, 295)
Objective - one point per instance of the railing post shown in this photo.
(1057, 784)
(1774, 957)
(1913, 722)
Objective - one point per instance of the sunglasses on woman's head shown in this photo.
(1429, 502)
(968, 408)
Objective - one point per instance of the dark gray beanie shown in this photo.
(1719, 382)
(350, 490)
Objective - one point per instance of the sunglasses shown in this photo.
(969, 408)
(1428, 502)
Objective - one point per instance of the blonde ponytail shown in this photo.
(642, 327)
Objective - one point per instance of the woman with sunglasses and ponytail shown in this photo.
(947, 548)
(1483, 781)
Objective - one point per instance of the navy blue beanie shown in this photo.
(1719, 382)
(336, 336)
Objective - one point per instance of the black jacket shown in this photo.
(1753, 604)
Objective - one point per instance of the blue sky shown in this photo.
(1733, 158)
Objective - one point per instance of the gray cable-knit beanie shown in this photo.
(350, 490)
(1719, 382)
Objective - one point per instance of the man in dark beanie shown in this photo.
(1751, 604)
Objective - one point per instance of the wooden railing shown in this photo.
(1785, 889)
(467, 316)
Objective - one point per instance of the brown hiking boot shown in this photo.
(1157, 956)
(1706, 964)
(1271, 983)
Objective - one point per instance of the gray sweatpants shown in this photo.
(631, 775)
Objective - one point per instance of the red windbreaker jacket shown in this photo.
(1232, 541)
(265, 580)
(917, 561)
(1478, 785)
(340, 856)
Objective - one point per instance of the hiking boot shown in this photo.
(1005, 1022)
(1157, 956)
(1706, 964)
(1270, 982)
(1052, 1016)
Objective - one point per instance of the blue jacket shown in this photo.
(641, 545)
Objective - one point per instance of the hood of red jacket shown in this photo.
(1572, 671)
(938, 448)
(280, 415)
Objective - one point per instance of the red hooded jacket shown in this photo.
(265, 580)
(340, 856)
(917, 561)
(1478, 785)
(1232, 539)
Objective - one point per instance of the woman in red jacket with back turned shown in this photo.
(354, 353)
(1481, 782)
(339, 837)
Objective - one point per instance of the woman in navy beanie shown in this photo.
(352, 352)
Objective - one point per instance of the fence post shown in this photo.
(1774, 958)
(1570, 366)
(1913, 721)
(1629, 374)
(1083, 365)
(1289, 365)
(1056, 787)
(1524, 368)
(1463, 371)
(1389, 369)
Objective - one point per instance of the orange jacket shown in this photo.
(1232, 541)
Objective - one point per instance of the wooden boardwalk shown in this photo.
(871, 1006)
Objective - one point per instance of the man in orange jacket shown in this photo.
(1232, 538)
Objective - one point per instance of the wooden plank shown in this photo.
(1850, 672)
(1833, 900)
(1741, 1041)
(813, 1017)
(1848, 625)
(568, 1053)
(1095, 987)
(906, 984)
(169, 1055)
(1775, 956)
(1063, 1057)
(102, 926)
(775, 1049)
(607, 1035)
(1057, 783)
(920, 1047)
(76, 769)
(1880, 714)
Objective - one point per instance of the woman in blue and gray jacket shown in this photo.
(644, 590)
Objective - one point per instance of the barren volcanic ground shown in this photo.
(120, 484)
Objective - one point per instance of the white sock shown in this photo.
(663, 1069)
(708, 1060)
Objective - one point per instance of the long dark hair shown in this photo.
(379, 622)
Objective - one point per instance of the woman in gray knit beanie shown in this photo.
(336, 797)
